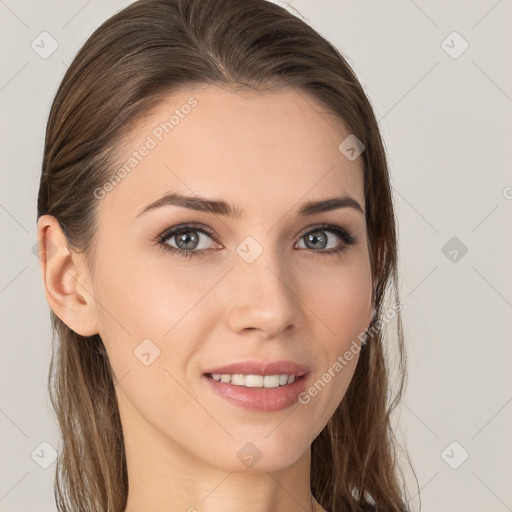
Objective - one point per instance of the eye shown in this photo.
(187, 240)
(318, 238)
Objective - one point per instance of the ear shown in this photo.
(67, 283)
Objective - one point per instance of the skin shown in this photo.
(266, 153)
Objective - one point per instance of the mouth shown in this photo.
(255, 381)
(263, 387)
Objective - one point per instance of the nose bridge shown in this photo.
(264, 297)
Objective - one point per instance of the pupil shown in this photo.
(315, 238)
(189, 239)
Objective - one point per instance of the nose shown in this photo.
(262, 298)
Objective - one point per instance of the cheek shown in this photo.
(148, 304)
(341, 301)
(341, 298)
(143, 323)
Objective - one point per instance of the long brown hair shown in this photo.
(126, 68)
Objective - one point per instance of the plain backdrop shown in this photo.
(437, 77)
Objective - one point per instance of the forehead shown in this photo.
(259, 150)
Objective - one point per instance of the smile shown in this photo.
(254, 381)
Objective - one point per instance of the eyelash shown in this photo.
(161, 240)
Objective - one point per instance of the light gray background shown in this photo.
(445, 121)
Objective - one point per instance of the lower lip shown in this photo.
(260, 399)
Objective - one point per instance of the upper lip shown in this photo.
(261, 368)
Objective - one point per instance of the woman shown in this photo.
(248, 374)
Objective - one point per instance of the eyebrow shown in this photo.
(221, 207)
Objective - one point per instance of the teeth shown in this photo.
(251, 381)
(271, 381)
(255, 381)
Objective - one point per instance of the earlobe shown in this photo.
(65, 279)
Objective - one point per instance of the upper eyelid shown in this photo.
(174, 230)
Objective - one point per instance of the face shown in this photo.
(268, 285)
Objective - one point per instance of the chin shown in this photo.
(258, 456)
